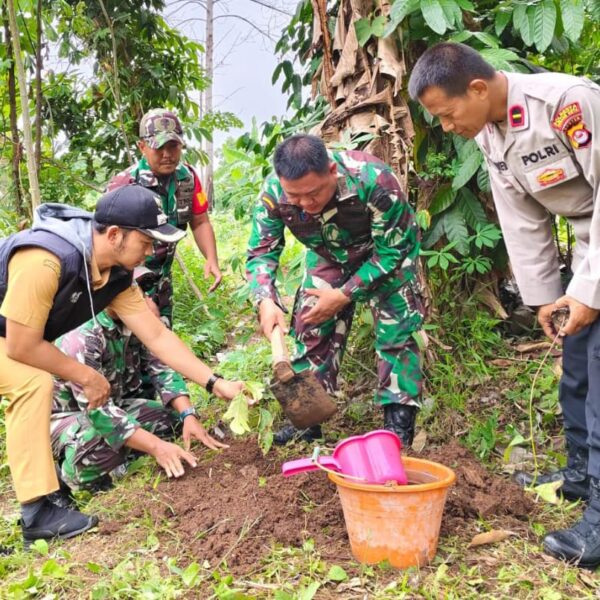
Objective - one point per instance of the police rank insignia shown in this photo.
(550, 176)
(569, 120)
(516, 115)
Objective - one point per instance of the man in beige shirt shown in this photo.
(540, 136)
(69, 266)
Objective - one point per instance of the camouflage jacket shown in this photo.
(112, 350)
(368, 227)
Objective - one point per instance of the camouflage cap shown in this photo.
(159, 126)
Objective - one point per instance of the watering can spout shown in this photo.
(302, 465)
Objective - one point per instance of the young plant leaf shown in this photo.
(237, 414)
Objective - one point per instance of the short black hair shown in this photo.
(449, 66)
(299, 155)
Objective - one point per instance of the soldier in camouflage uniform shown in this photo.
(349, 211)
(183, 201)
(89, 444)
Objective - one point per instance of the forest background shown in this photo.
(343, 65)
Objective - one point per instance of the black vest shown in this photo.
(71, 306)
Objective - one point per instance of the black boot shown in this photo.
(52, 521)
(579, 544)
(576, 483)
(289, 433)
(400, 418)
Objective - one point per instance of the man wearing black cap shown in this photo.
(68, 267)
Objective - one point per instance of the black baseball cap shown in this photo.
(136, 207)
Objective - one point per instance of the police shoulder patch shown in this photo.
(579, 136)
(516, 115)
(567, 116)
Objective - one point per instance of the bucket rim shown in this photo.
(409, 462)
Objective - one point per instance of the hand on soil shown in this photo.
(170, 457)
(329, 303)
(192, 429)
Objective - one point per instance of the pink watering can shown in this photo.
(371, 458)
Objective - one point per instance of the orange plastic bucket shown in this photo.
(399, 523)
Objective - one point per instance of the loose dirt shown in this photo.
(236, 506)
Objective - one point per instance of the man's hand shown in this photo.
(544, 317)
(192, 429)
(96, 389)
(270, 315)
(329, 303)
(212, 268)
(169, 456)
(227, 390)
(580, 315)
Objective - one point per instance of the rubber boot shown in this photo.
(400, 418)
(576, 483)
(289, 433)
(579, 544)
(52, 521)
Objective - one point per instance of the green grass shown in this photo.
(145, 558)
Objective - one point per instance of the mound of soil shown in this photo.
(236, 505)
(477, 491)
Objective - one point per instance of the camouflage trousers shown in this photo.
(84, 454)
(397, 315)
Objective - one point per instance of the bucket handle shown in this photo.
(315, 460)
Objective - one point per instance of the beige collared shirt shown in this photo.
(547, 162)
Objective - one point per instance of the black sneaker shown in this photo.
(400, 418)
(579, 544)
(289, 433)
(576, 482)
(52, 521)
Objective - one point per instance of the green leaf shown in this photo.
(433, 235)
(547, 492)
(237, 413)
(363, 30)
(466, 5)
(467, 169)
(544, 23)
(308, 593)
(593, 7)
(442, 200)
(336, 573)
(471, 209)
(502, 20)
(452, 13)
(573, 15)
(41, 547)
(456, 230)
(500, 58)
(487, 38)
(190, 574)
(52, 569)
(483, 178)
(517, 440)
(434, 16)
(399, 11)
(378, 26)
(93, 567)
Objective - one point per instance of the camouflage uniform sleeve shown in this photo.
(395, 238)
(111, 423)
(168, 383)
(264, 248)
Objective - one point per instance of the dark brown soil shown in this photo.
(236, 506)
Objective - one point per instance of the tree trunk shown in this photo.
(34, 186)
(208, 97)
(38, 88)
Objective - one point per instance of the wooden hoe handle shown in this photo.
(282, 368)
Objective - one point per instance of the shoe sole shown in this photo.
(92, 522)
(572, 561)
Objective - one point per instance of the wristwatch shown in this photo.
(187, 412)
(210, 384)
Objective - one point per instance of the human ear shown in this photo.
(479, 88)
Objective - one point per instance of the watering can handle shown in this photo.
(302, 465)
(282, 367)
